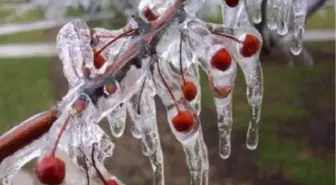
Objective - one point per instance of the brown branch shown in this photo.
(27, 133)
(34, 129)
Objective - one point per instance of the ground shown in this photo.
(297, 125)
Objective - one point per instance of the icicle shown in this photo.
(299, 10)
(230, 15)
(272, 13)
(117, 120)
(222, 84)
(251, 67)
(144, 149)
(284, 15)
(194, 162)
(143, 113)
(222, 87)
(135, 131)
(190, 73)
(193, 73)
(252, 70)
(254, 9)
(182, 119)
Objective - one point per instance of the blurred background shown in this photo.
(297, 131)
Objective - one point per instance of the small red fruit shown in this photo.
(222, 92)
(112, 182)
(149, 14)
(184, 121)
(219, 92)
(189, 90)
(86, 72)
(221, 60)
(232, 3)
(50, 170)
(250, 46)
(98, 60)
(110, 88)
(79, 106)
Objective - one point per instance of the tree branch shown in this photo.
(27, 133)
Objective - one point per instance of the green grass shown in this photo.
(25, 90)
(318, 22)
(309, 170)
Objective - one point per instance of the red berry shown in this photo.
(221, 60)
(86, 72)
(232, 3)
(79, 106)
(112, 182)
(189, 90)
(50, 170)
(219, 92)
(184, 121)
(250, 46)
(110, 88)
(222, 92)
(149, 14)
(98, 61)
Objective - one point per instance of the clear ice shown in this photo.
(145, 59)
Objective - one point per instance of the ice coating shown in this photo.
(222, 85)
(252, 70)
(143, 113)
(253, 74)
(10, 165)
(254, 9)
(74, 50)
(299, 11)
(175, 103)
(117, 121)
(184, 68)
(272, 13)
(194, 76)
(230, 15)
(284, 17)
(110, 71)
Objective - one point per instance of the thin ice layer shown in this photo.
(284, 17)
(117, 120)
(230, 15)
(222, 85)
(74, 50)
(10, 165)
(272, 9)
(171, 97)
(143, 113)
(254, 10)
(184, 69)
(193, 75)
(300, 11)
